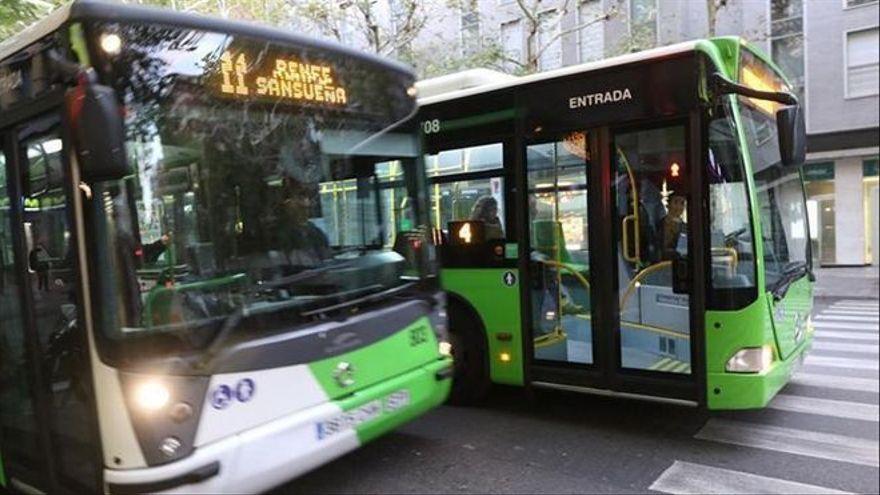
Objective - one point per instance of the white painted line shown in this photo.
(837, 382)
(866, 319)
(865, 312)
(792, 441)
(824, 345)
(834, 334)
(826, 407)
(848, 326)
(837, 362)
(874, 306)
(689, 478)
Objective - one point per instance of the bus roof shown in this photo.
(79, 10)
(436, 90)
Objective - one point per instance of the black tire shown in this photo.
(470, 382)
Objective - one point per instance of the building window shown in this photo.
(511, 42)
(858, 3)
(862, 70)
(470, 28)
(591, 39)
(787, 40)
(643, 23)
(548, 42)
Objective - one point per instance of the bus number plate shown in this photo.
(374, 409)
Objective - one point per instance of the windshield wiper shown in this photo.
(303, 275)
(790, 273)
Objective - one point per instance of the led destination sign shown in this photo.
(289, 79)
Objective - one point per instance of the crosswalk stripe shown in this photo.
(847, 326)
(867, 312)
(792, 441)
(837, 382)
(687, 477)
(826, 407)
(836, 362)
(856, 307)
(833, 334)
(863, 302)
(867, 319)
(824, 345)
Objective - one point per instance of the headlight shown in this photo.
(750, 360)
(151, 396)
(445, 349)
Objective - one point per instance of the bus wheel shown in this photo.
(470, 383)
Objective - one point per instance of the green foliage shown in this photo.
(15, 15)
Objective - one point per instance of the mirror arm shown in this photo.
(69, 71)
(724, 86)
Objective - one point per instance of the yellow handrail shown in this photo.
(635, 206)
(642, 274)
(727, 251)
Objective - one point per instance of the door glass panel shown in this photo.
(53, 285)
(560, 256)
(18, 420)
(652, 244)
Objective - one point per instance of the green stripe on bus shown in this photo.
(2, 472)
(481, 119)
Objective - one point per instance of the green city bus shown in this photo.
(216, 270)
(632, 227)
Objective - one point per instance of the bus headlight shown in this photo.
(750, 360)
(445, 349)
(151, 395)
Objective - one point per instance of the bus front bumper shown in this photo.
(259, 459)
(754, 390)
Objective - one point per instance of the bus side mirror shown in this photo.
(96, 125)
(792, 135)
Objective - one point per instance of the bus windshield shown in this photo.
(272, 183)
(781, 202)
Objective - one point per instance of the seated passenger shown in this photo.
(672, 227)
(486, 211)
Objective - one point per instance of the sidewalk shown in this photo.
(848, 282)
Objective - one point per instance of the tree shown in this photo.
(387, 33)
(712, 9)
(15, 15)
(539, 23)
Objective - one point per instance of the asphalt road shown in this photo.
(820, 434)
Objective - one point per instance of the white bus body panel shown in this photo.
(277, 392)
(255, 460)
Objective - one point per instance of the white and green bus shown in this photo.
(214, 267)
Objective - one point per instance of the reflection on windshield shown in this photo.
(241, 205)
(780, 201)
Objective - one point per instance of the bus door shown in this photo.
(609, 260)
(47, 434)
(651, 235)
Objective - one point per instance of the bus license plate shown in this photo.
(370, 411)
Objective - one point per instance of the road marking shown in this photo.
(845, 326)
(686, 478)
(801, 442)
(832, 334)
(836, 362)
(826, 407)
(837, 382)
(867, 319)
(864, 307)
(824, 345)
(866, 312)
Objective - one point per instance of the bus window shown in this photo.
(730, 231)
(463, 198)
(781, 205)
